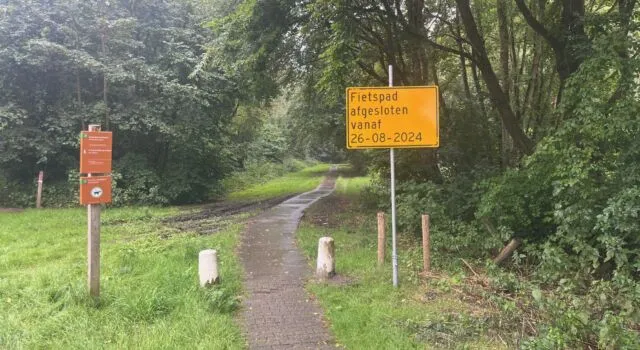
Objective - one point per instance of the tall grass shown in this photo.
(150, 296)
(364, 309)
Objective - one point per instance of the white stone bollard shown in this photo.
(208, 267)
(326, 267)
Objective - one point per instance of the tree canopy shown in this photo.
(128, 65)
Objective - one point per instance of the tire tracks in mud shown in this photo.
(211, 218)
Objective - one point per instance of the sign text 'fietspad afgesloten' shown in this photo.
(392, 117)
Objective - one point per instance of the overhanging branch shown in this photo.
(371, 72)
(443, 47)
(537, 26)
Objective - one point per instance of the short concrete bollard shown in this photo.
(208, 267)
(326, 267)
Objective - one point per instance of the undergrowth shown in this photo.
(507, 306)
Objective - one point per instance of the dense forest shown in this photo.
(539, 106)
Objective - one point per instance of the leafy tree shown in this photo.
(130, 66)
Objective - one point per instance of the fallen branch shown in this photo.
(470, 268)
(508, 250)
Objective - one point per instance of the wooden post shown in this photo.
(381, 240)
(93, 241)
(93, 249)
(426, 244)
(39, 194)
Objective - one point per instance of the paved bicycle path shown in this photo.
(277, 313)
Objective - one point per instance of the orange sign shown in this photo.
(95, 152)
(392, 117)
(95, 190)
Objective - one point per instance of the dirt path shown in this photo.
(277, 313)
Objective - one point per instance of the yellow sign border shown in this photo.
(436, 145)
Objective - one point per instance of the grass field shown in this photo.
(363, 308)
(292, 183)
(150, 297)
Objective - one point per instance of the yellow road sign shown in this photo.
(392, 117)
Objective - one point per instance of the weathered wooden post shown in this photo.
(208, 267)
(39, 194)
(93, 249)
(93, 240)
(381, 240)
(326, 266)
(426, 244)
(95, 189)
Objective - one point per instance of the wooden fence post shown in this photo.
(39, 194)
(381, 240)
(426, 244)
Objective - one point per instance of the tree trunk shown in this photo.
(416, 20)
(625, 10)
(504, 46)
(517, 66)
(463, 65)
(104, 79)
(500, 99)
(78, 94)
(479, 93)
(422, 69)
(465, 81)
(569, 44)
(532, 85)
(506, 144)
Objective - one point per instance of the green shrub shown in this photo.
(606, 317)
(134, 181)
(13, 194)
(55, 194)
(576, 203)
(578, 194)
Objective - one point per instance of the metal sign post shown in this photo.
(388, 117)
(392, 162)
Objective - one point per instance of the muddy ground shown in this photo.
(11, 210)
(210, 218)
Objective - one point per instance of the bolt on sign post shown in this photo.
(95, 189)
(392, 117)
